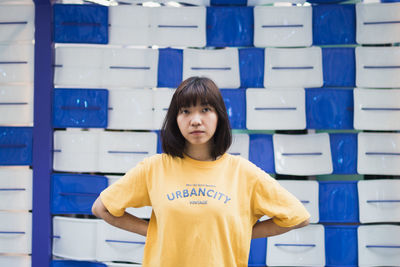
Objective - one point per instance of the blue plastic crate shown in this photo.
(170, 66)
(258, 252)
(80, 24)
(341, 245)
(230, 26)
(262, 152)
(75, 193)
(16, 145)
(82, 108)
(251, 65)
(338, 202)
(328, 108)
(333, 24)
(339, 67)
(235, 102)
(159, 143)
(344, 152)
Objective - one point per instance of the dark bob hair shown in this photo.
(188, 93)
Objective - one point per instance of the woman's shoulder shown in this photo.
(244, 164)
(248, 168)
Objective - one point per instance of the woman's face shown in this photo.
(197, 123)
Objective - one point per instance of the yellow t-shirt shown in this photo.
(203, 211)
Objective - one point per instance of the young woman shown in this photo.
(206, 203)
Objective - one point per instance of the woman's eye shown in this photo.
(185, 111)
(206, 109)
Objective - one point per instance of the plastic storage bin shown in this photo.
(376, 109)
(74, 238)
(240, 145)
(275, 109)
(114, 244)
(378, 153)
(308, 154)
(75, 193)
(15, 188)
(293, 67)
(131, 109)
(341, 245)
(377, 23)
(222, 66)
(338, 202)
(282, 26)
(15, 232)
(300, 247)
(379, 201)
(378, 245)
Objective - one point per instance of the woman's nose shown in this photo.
(196, 119)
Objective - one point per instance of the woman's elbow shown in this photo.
(304, 223)
(98, 208)
(94, 211)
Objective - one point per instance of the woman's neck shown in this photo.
(199, 152)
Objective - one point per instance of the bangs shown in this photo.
(193, 94)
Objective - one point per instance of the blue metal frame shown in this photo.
(43, 135)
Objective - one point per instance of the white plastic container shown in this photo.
(15, 232)
(104, 67)
(24, 29)
(20, 63)
(74, 238)
(121, 151)
(161, 99)
(377, 23)
(378, 67)
(16, 105)
(275, 109)
(377, 109)
(130, 109)
(240, 145)
(378, 245)
(79, 66)
(15, 188)
(15, 261)
(378, 153)
(76, 150)
(379, 200)
(308, 154)
(130, 67)
(184, 27)
(299, 247)
(282, 26)
(114, 244)
(293, 67)
(222, 66)
(129, 25)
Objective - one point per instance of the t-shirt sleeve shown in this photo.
(271, 199)
(129, 191)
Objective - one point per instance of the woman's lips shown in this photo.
(196, 132)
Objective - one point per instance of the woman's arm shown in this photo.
(269, 228)
(127, 221)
